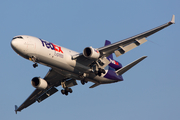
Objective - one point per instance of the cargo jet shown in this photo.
(93, 64)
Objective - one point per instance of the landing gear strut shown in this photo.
(33, 58)
(66, 90)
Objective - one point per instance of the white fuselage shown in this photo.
(56, 57)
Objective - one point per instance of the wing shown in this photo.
(125, 45)
(122, 46)
(51, 77)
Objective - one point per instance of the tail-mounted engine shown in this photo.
(91, 53)
(39, 83)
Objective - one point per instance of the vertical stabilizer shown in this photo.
(107, 42)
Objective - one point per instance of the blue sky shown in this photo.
(150, 89)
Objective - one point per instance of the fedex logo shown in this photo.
(51, 46)
(116, 63)
(113, 61)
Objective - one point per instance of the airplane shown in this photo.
(66, 66)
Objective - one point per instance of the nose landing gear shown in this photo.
(35, 65)
(33, 58)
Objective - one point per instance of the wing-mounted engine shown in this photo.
(39, 83)
(91, 53)
(99, 63)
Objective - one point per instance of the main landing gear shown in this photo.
(100, 71)
(66, 91)
(83, 82)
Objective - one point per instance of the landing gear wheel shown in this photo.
(35, 65)
(82, 82)
(100, 71)
(70, 90)
(103, 71)
(66, 93)
(63, 91)
(66, 90)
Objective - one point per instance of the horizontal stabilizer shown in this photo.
(94, 85)
(126, 68)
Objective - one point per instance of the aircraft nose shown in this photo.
(14, 44)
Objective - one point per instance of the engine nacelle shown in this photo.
(39, 83)
(91, 53)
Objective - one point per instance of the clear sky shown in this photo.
(150, 90)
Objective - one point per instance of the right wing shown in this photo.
(120, 47)
(54, 79)
(128, 44)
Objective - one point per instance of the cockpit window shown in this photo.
(18, 37)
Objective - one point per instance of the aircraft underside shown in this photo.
(92, 65)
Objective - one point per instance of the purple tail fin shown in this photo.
(107, 42)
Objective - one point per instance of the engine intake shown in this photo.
(91, 53)
(39, 83)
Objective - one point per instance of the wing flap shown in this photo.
(129, 47)
(109, 49)
(47, 94)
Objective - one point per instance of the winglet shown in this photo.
(173, 19)
(16, 107)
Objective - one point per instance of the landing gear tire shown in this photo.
(83, 82)
(66, 93)
(100, 71)
(35, 65)
(70, 90)
(66, 90)
(63, 91)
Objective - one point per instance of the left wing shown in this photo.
(54, 79)
(128, 44)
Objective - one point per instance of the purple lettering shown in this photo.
(43, 42)
(48, 45)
